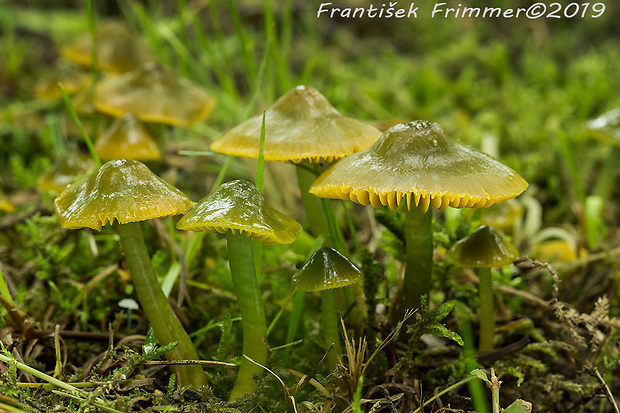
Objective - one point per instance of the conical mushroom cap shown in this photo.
(238, 206)
(302, 124)
(118, 49)
(154, 94)
(418, 161)
(65, 169)
(127, 138)
(325, 270)
(606, 127)
(483, 248)
(71, 78)
(123, 189)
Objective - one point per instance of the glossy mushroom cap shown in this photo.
(154, 94)
(483, 248)
(325, 270)
(606, 127)
(65, 169)
(123, 189)
(127, 138)
(118, 49)
(71, 78)
(302, 124)
(417, 161)
(238, 206)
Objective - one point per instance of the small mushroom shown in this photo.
(239, 209)
(70, 77)
(301, 127)
(5, 204)
(325, 271)
(153, 93)
(65, 169)
(118, 49)
(127, 138)
(417, 164)
(484, 249)
(128, 192)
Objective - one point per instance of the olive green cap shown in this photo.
(118, 49)
(65, 169)
(154, 93)
(239, 206)
(127, 138)
(124, 190)
(483, 248)
(302, 124)
(417, 161)
(70, 77)
(325, 270)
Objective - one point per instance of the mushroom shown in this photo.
(153, 93)
(65, 169)
(326, 270)
(239, 209)
(127, 138)
(418, 163)
(70, 77)
(118, 49)
(484, 249)
(128, 192)
(304, 128)
(5, 204)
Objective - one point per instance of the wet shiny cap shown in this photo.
(127, 138)
(238, 206)
(326, 269)
(118, 49)
(70, 77)
(606, 127)
(302, 124)
(65, 169)
(416, 161)
(153, 93)
(123, 189)
(483, 248)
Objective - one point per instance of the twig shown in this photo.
(205, 363)
(610, 396)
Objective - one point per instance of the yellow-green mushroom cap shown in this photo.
(153, 93)
(302, 124)
(127, 138)
(124, 190)
(418, 162)
(71, 78)
(606, 127)
(325, 270)
(5, 204)
(483, 248)
(118, 49)
(239, 207)
(65, 169)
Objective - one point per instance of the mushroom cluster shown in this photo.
(417, 165)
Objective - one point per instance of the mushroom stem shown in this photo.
(160, 314)
(313, 205)
(247, 289)
(487, 315)
(330, 326)
(419, 265)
